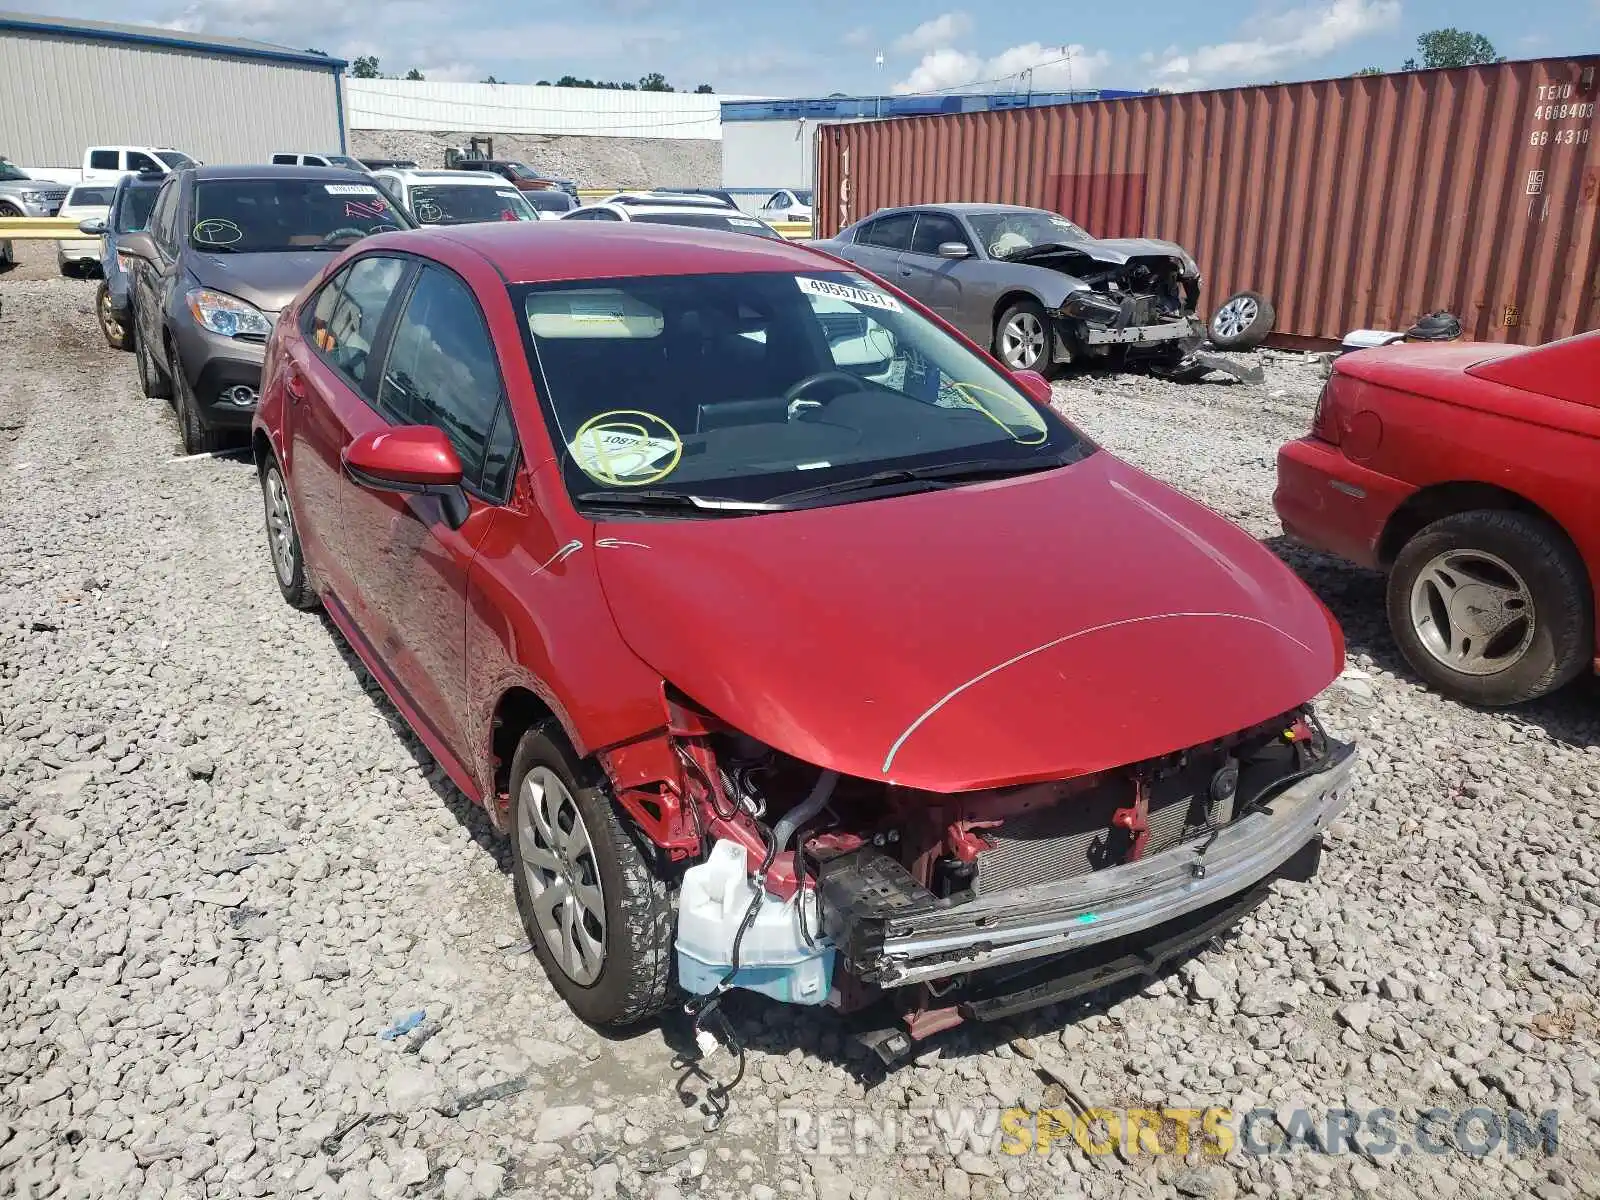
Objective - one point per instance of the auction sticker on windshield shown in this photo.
(349, 189)
(845, 291)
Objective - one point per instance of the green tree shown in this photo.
(1369, 71)
(365, 67)
(704, 89)
(492, 79)
(655, 82)
(314, 50)
(414, 75)
(1454, 48)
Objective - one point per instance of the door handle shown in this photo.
(295, 386)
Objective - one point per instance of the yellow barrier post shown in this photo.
(44, 229)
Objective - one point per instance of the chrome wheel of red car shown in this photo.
(1472, 611)
(562, 876)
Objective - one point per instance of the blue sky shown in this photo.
(819, 46)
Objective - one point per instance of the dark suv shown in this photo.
(129, 213)
(519, 173)
(226, 249)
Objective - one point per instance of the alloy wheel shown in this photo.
(1022, 341)
(108, 320)
(280, 527)
(562, 875)
(1472, 612)
(1234, 317)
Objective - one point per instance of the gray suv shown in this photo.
(21, 196)
(226, 249)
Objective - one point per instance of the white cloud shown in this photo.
(1277, 41)
(858, 37)
(1054, 68)
(939, 33)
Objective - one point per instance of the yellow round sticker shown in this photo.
(626, 447)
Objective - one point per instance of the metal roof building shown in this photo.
(768, 144)
(67, 84)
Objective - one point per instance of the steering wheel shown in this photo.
(344, 232)
(810, 381)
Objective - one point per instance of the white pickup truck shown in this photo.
(110, 163)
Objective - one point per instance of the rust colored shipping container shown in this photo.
(1351, 203)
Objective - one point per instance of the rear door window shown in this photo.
(102, 160)
(138, 161)
(888, 233)
(283, 160)
(442, 372)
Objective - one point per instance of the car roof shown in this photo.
(964, 208)
(545, 251)
(275, 171)
(662, 200)
(470, 178)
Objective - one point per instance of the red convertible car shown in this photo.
(1471, 474)
(796, 645)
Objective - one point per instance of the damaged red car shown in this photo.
(795, 644)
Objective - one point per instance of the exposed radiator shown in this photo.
(1074, 836)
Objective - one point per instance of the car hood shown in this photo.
(44, 187)
(1112, 251)
(269, 281)
(1033, 628)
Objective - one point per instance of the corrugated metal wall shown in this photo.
(527, 108)
(60, 95)
(1350, 202)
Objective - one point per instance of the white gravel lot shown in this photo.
(226, 868)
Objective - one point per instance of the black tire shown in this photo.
(1561, 644)
(152, 382)
(1229, 330)
(635, 975)
(7, 209)
(8, 257)
(69, 270)
(291, 572)
(1023, 310)
(198, 437)
(118, 336)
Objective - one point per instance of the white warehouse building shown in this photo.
(67, 84)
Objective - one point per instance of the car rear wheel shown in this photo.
(198, 438)
(152, 382)
(1492, 607)
(596, 913)
(1243, 322)
(283, 540)
(114, 331)
(1022, 337)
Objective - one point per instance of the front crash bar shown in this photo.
(1052, 918)
(1170, 331)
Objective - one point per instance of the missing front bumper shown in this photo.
(891, 936)
(1143, 335)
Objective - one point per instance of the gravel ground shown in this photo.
(226, 869)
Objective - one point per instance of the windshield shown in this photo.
(175, 160)
(753, 386)
(550, 201)
(803, 197)
(518, 171)
(709, 220)
(251, 216)
(9, 170)
(1006, 232)
(344, 160)
(467, 203)
(134, 214)
(90, 197)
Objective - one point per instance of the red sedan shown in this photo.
(795, 644)
(1471, 473)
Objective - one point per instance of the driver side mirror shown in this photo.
(93, 226)
(1036, 385)
(954, 250)
(414, 459)
(139, 245)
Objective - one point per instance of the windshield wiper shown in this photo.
(646, 498)
(940, 475)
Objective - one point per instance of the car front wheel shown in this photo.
(1022, 337)
(1492, 607)
(596, 913)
